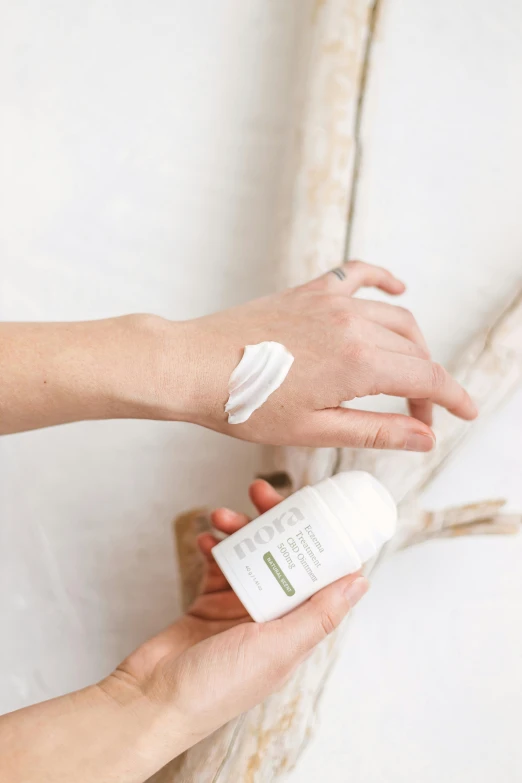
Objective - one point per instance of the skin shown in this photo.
(148, 367)
(171, 692)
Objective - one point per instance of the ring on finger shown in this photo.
(339, 272)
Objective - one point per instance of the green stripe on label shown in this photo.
(278, 573)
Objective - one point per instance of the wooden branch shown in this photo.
(474, 519)
(186, 529)
(323, 144)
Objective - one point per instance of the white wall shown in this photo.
(140, 145)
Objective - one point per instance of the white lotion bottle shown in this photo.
(309, 540)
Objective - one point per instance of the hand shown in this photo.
(344, 348)
(143, 366)
(216, 662)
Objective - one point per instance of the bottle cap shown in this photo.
(364, 508)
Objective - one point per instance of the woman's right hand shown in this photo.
(344, 348)
(142, 366)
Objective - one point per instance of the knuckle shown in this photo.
(336, 302)
(327, 300)
(379, 439)
(328, 621)
(343, 318)
(355, 265)
(438, 375)
(358, 353)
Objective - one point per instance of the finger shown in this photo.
(352, 275)
(220, 603)
(381, 337)
(228, 521)
(422, 410)
(206, 542)
(392, 341)
(357, 429)
(213, 580)
(406, 376)
(263, 495)
(301, 630)
(397, 319)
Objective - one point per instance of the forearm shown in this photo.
(53, 373)
(113, 735)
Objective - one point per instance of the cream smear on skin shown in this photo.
(262, 370)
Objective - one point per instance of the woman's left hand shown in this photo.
(178, 687)
(215, 662)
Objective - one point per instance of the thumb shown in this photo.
(368, 430)
(314, 620)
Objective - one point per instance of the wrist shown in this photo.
(179, 370)
(110, 732)
(150, 731)
(186, 374)
(145, 375)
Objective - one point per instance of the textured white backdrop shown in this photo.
(140, 147)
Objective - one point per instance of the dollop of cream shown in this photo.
(262, 370)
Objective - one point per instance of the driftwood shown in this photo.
(262, 744)
(317, 204)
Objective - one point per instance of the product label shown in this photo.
(287, 554)
(278, 573)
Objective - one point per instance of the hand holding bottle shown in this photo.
(181, 685)
(216, 662)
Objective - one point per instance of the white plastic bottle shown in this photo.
(312, 538)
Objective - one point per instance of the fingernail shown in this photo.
(226, 512)
(355, 590)
(419, 441)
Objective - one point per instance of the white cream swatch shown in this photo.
(262, 370)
